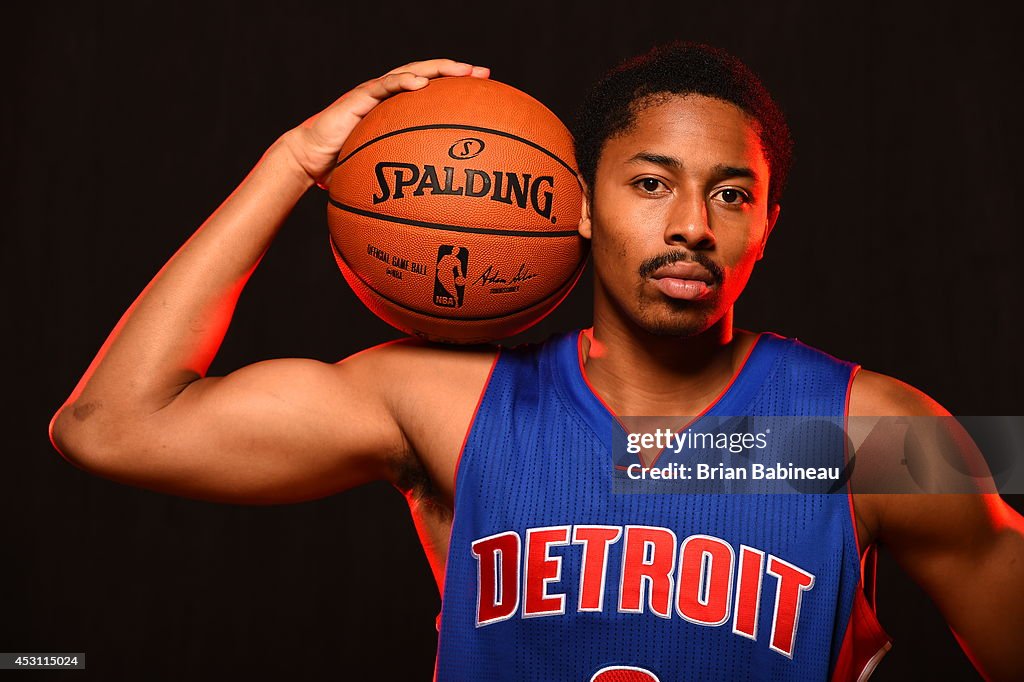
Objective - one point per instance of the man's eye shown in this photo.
(649, 185)
(733, 197)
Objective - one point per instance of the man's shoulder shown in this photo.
(871, 393)
(874, 394)
(410, 359)
(430, 391)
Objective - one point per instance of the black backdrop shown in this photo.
(128, 123)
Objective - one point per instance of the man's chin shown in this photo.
(677, 318)
(680, 325)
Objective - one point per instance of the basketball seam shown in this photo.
(457, 126)
(575, 274)
(444, 226)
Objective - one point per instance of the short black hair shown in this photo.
(680, 68)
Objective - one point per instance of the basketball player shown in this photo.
(546, 573)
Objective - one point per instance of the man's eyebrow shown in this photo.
(658, 159)
(726, 171)
(721, 170)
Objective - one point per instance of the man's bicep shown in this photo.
(926, 479)
(275, 431)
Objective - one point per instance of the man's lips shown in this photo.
(684, 270)
(684, 280)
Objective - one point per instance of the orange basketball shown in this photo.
(453, 211)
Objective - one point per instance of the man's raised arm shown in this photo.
(146, 413)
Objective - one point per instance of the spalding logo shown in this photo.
(466, 148)
(507, 187)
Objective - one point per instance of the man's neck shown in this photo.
(637, 373)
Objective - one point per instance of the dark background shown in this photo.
(128, 123)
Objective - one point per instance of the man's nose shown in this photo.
(688, 221)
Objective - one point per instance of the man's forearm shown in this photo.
(171, 333)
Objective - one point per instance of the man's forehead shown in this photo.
(693, 106)
(690, 127)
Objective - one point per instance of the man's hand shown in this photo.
(315, 143)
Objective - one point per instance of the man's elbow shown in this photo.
(79, 440)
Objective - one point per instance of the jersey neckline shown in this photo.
(731, 401)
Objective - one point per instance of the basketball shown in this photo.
(453, 211)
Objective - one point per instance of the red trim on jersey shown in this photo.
(846, 462)
(865, 641)
(864, 644)
(472, 420)
(583, 373)
(455, 483)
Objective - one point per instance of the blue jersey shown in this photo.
(554, 574)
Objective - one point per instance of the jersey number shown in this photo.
(624, 673)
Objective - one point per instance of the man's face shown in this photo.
(678, 215)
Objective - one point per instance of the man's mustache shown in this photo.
(652, 265)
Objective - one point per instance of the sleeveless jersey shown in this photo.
(554, 575)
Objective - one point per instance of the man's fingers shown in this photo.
(434, 68)
(393, 83)
(327, 131)
(409, 77)
(412, 76)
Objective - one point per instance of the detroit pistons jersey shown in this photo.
(556, 575)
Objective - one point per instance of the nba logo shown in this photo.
(450, 276)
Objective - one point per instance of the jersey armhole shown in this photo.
(864, 645)
(865, 642)
(455, 493)
(472, 422)
(846, 463)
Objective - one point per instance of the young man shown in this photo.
(546, 572)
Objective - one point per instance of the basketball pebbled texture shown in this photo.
(453, 211)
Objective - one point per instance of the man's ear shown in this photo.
(585, 228)
(773, 216)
